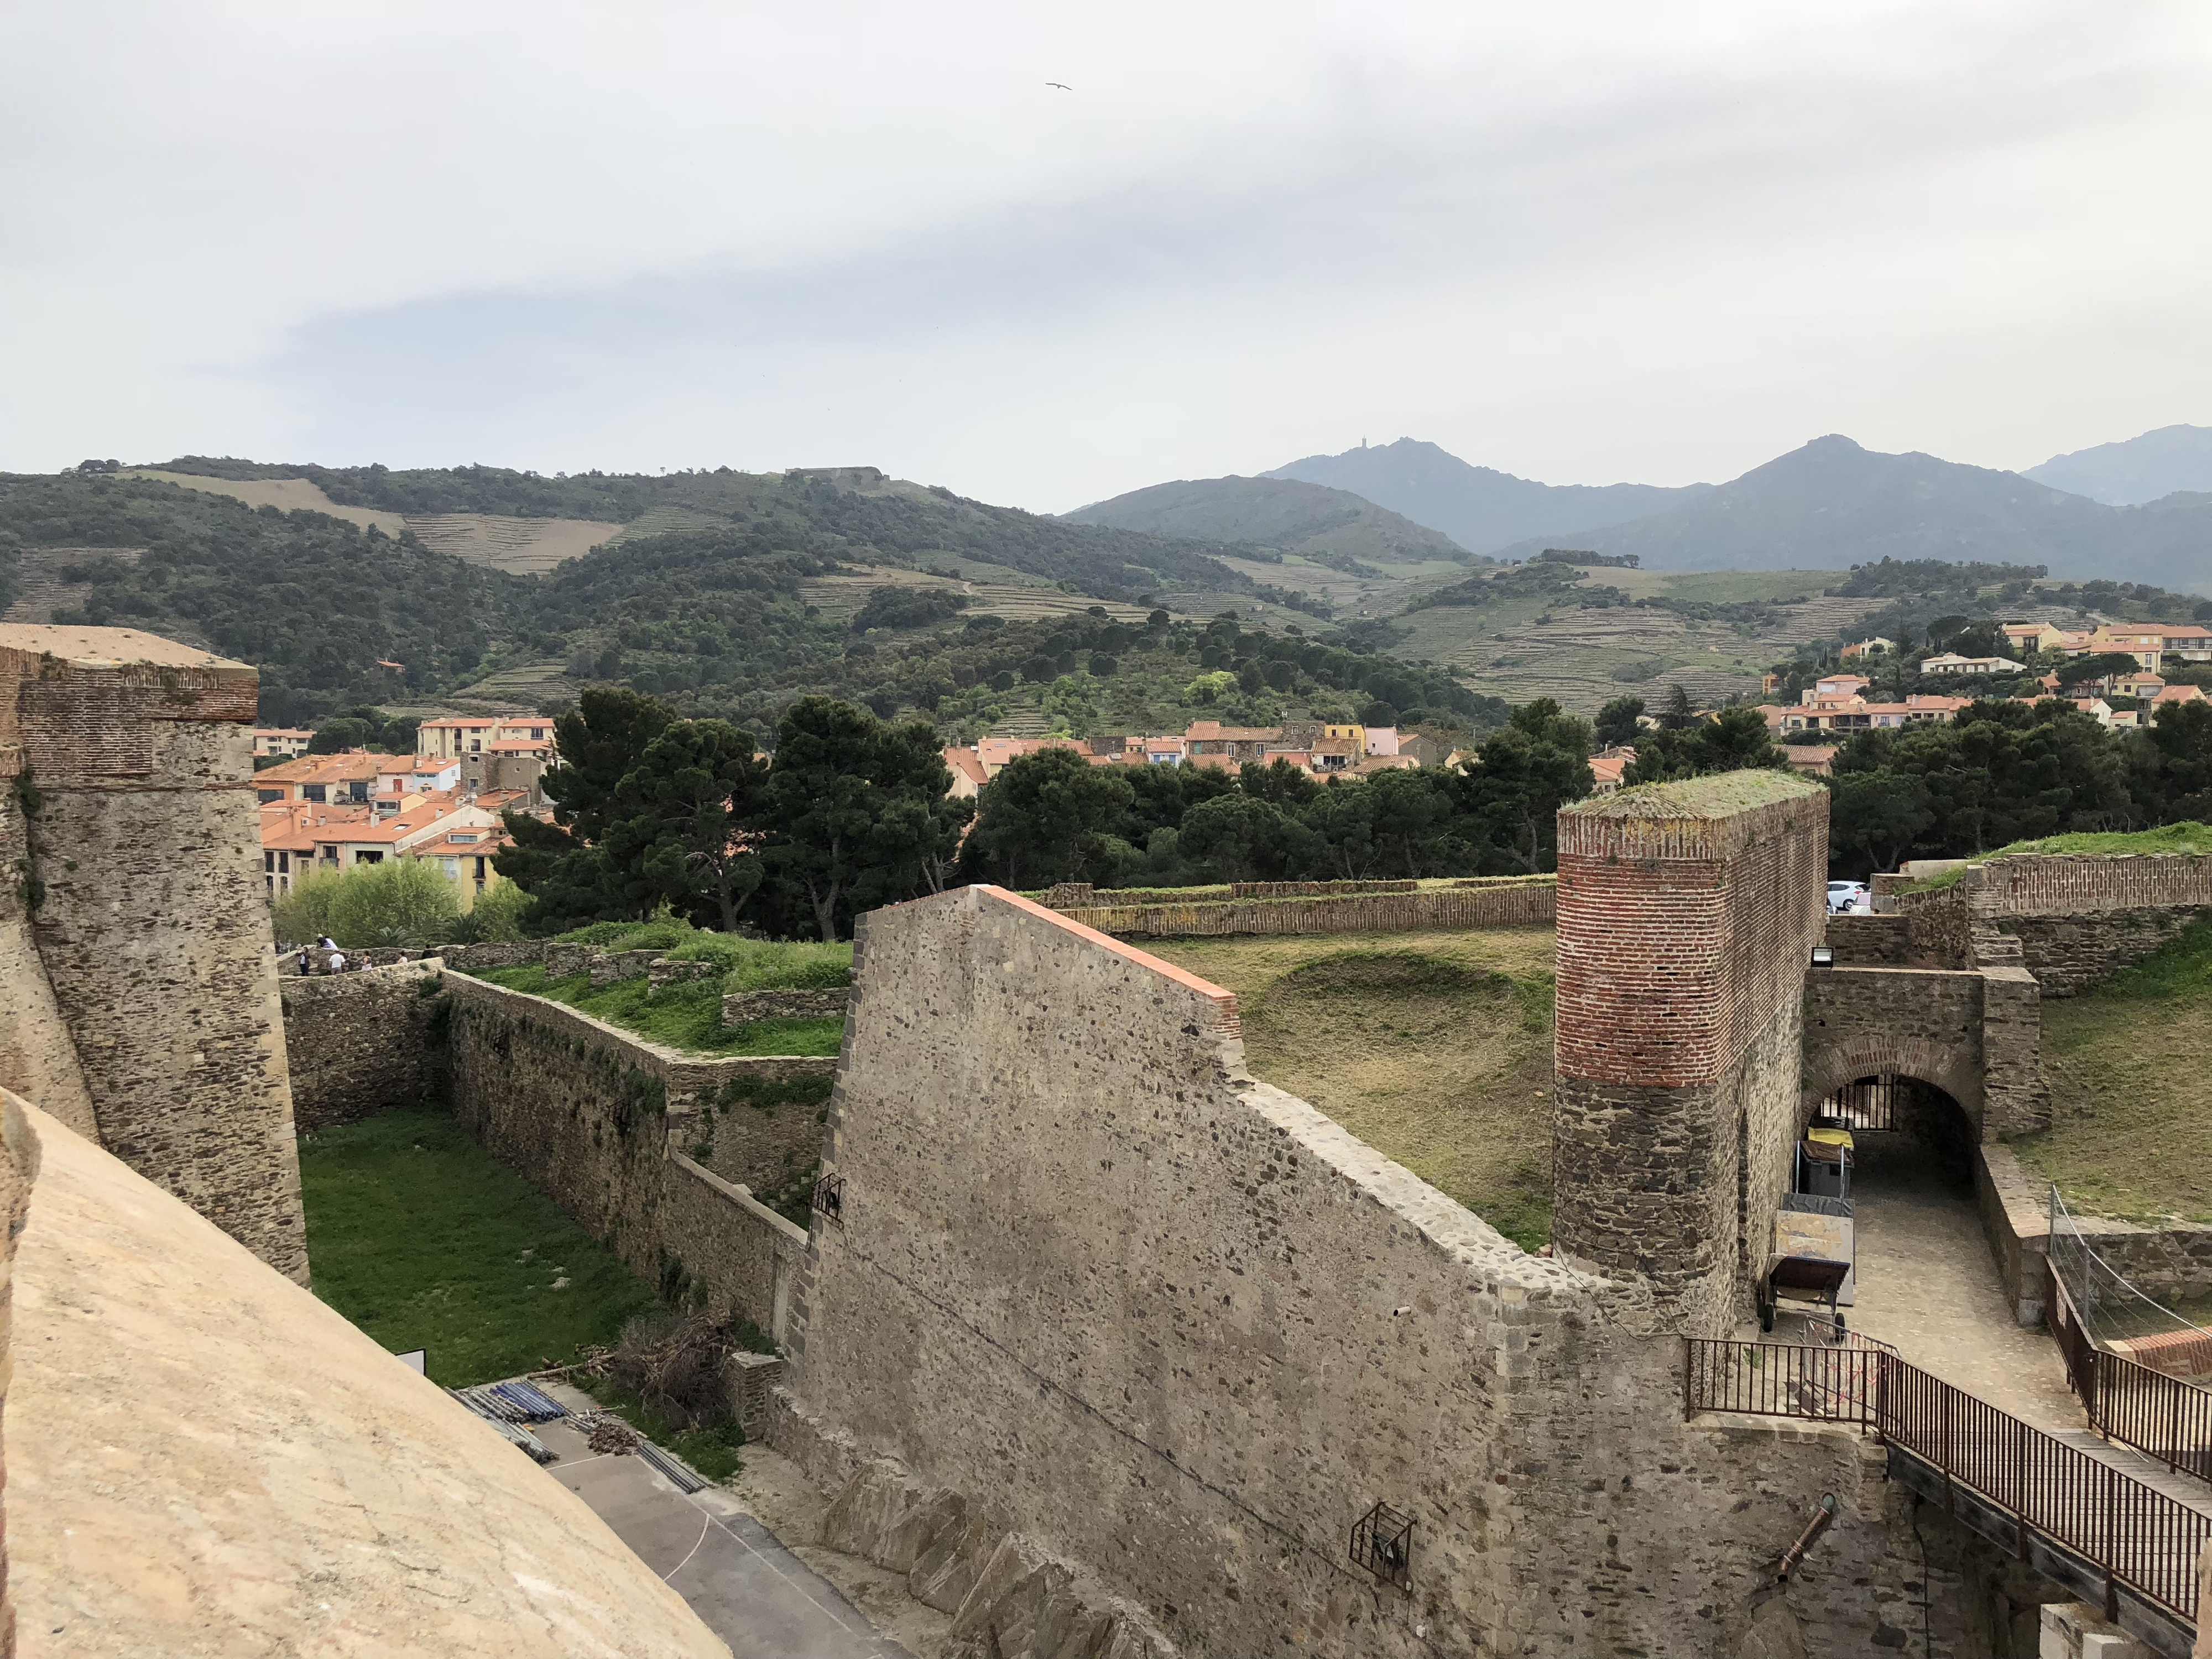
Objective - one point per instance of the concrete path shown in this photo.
(750, 1591)
(1928, 1286)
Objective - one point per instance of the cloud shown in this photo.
(1618, 241)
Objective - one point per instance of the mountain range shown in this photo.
(2138, 469)
(1479, 508)
(1826, 506)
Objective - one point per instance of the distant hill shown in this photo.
(1481, 509)
(1329, 526)
(2138, 469)
(1831, 504)
(728, 594)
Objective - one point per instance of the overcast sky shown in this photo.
(1583, 243)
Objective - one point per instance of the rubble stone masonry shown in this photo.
(136, 832)
(2078, 917)
(1687, 915)
(1078, 1239)
(604, 1124)
(363, 1042)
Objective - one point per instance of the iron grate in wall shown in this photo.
(1382, 1542)
(830, 1199)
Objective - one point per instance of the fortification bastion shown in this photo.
(1074, 1234)
(140, 986)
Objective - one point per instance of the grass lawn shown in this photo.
(687, 1015)
(423, 1240)
(2130, 1067)
(1433, 1048)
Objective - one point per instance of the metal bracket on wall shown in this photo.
(828, 1201)
(1382, 1542)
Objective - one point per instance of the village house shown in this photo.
(1856, 713)
(349, 776)
(282, 741)
(1874, 646)
(477, 734)
(1950, 662)
(2029, 637)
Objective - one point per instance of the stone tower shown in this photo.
(1687, 914)
(138, 995)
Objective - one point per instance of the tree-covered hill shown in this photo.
(1332, 527)
(855, 506)
(713, 619)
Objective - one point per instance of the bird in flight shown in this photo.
(1062, 85)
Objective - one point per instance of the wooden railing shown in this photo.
(2136, 1534)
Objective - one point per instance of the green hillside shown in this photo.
(907, 598)
(1329, 527)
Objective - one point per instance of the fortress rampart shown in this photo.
(1687, 914)
(1506, 903)
(606, 1124)
(134, 948)
(1076, 1235)
(2078, 917)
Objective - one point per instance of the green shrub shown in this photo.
(402, 902)
(500, 915)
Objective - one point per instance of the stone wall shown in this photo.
(1687, 914)
(1977, 1035)
(743, 1007)
(2078, 917)
(363, 1042)
(1516, 904)
(1077, 1236)
(151, 929)
(1871, 942)
(19, 1168)
(598, 1120)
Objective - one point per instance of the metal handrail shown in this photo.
(2163, 1416)
(2141, 1537)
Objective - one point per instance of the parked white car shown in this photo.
(1847, 896)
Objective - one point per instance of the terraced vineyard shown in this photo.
(524, 547)
(40, 589)
(1526, 649)
(527, 547)
(838, 596)
(285, 495)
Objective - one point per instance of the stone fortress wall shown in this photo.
(2077, 917)
(1075, 1234)
(364, 1041)
(1514, 902)
(140, 989)
(1687, 914)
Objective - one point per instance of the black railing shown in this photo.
(2162, 1416)
(2141, 1537)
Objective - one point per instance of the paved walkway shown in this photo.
(1927, 1285)
(750, 1591)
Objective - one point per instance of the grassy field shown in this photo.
(683, 1016)
(524, 546)
(1435, 1049)
(423, 1240)
(2130, 1067)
